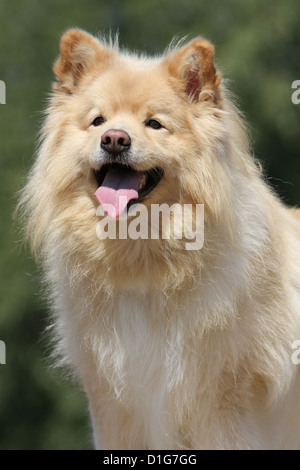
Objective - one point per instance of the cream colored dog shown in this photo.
(175, 348)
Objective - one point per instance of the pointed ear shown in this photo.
(79, 53)
(193, 67)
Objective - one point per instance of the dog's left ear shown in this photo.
(193, 68)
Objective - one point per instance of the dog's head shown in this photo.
(123, 129)
(137, 121)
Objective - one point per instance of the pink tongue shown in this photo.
(120, 185)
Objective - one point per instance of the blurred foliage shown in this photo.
(257, 48)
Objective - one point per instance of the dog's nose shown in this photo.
(115, 141)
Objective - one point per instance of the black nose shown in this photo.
(115, 141)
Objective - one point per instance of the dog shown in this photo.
(176, 347)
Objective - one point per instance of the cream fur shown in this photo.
(175, 349)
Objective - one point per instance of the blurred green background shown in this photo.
(257, 48)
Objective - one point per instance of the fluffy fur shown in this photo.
(176, 349)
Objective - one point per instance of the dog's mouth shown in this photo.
(119, 186)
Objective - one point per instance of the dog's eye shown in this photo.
(154, 124)
(98, 121)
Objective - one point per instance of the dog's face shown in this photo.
(133, 125)
(135, 119)
(149, 130)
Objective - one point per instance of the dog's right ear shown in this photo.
(79, 52)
